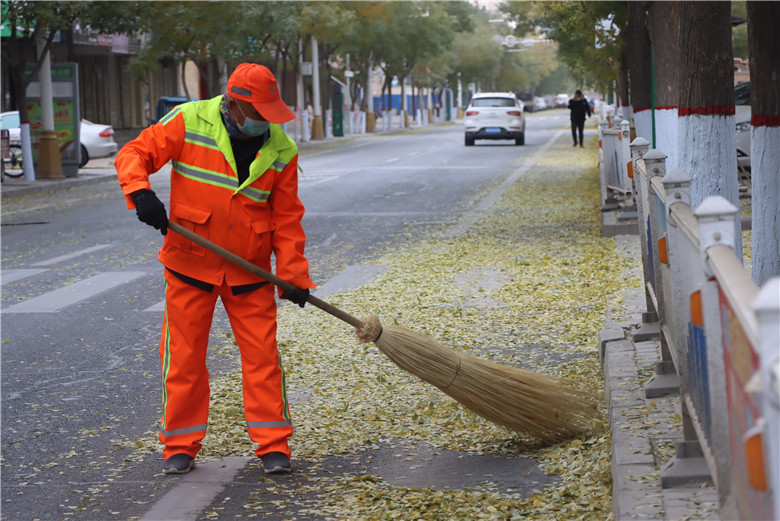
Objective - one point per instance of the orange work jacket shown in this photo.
(259, 217)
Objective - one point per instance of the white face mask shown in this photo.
(252, 127)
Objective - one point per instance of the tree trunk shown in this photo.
(764, 137)
(707, 141)
(184, 79)
(624, 85)
(666, 72)
(639, 69)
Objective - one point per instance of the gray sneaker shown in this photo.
(276, 463)
(179, 464)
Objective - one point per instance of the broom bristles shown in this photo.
(540, 406)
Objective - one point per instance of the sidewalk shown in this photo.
(644, 431)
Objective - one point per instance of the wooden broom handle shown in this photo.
(260, 272)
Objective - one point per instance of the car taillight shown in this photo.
(472, 112)
(107, 132)
(514, 113)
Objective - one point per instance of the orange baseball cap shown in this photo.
(256, 84)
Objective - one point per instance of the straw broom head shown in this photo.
(529, 403)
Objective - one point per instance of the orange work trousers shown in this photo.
(183, 347)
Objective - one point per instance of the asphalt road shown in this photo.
(81, 308)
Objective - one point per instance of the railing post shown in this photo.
(767, 309)
(716, 226)
(665, 380)
(625, 160)
(639, 149)
(684, 330)
(607, 201)
(716, 218)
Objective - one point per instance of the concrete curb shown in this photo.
(642, 426)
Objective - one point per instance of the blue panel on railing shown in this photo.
(698, 375)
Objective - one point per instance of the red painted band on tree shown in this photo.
(765, 121)
(706, 111)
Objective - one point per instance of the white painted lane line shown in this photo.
(187, 500)
(7, 276)
(392, 159)
(485, 205)
(74, 293)
(157, 308)
(352, 277)
(69, 256)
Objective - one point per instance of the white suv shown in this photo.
(495, 115)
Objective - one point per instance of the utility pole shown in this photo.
(300, 103)
(49, 160)
(348, 99)
(460, 98)
(370, 118)
(316, 123)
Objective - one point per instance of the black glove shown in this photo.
(151, 210)
(297, 296)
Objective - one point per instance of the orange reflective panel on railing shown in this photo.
(754, 450)
(662, 255)
(630, 166)
(697, 316)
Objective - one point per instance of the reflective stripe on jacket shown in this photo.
(261, 216)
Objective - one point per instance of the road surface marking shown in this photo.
(61, 258)
(7, 276)
(351, 277)
(73, 293)
(187, 500)
(485, 205)
(157, 308)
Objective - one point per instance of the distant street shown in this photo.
(82, 297)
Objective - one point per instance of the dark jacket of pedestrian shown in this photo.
(579, 107)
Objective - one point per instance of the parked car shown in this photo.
(562, 101)
(9, 121)
(96, 140)
(495, 115)
(743, 113)
(540, 104)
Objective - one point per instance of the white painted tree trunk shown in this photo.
(765, 180)
(666, 135)
(707, 152)
(626, 112)
(643, 122)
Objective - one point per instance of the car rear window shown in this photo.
(10, 121)
(493, 102)
(742, 94)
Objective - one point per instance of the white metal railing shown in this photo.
(615, 159)
(720, 331)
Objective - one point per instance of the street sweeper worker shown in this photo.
(234, 181)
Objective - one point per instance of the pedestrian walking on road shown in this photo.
(580, 109)
(234, 180)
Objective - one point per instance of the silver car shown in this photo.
(743, 113)
(495, 115)
(96, 140)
